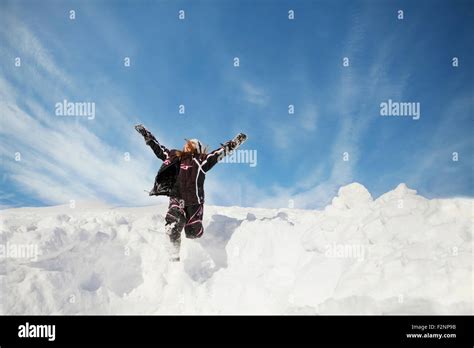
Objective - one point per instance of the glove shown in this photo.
(146, 134)
(239, 139)
(140, 129)
(231, 145)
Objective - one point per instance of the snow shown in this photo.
(399, 253)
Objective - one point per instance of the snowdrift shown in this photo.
(400, 253)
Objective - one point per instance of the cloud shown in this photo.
(309, 117)
(322, 181)
(70, 159)
(63, 159)
(437, 152)
(28, 47)
(254, 95)
(62, 163)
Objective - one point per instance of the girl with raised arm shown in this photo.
(181, 177)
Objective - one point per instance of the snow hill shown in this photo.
(400, 253)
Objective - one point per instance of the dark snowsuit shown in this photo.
(182, 179)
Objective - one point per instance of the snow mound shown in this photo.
(352, 196)
(399, 253)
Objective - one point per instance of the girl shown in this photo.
(181, 177)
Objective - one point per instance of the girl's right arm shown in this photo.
(160, 151)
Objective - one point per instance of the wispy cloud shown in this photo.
(67, 162)
(254, 94)
(301, 155)
(309, 117)
(62, 159)
(438, 152)
(354, 85)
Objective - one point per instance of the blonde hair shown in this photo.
(188, 145)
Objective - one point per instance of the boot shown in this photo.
(174, 247)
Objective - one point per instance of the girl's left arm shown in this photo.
(215, 156)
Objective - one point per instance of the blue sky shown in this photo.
(190, 62)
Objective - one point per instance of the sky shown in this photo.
(335, 136)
